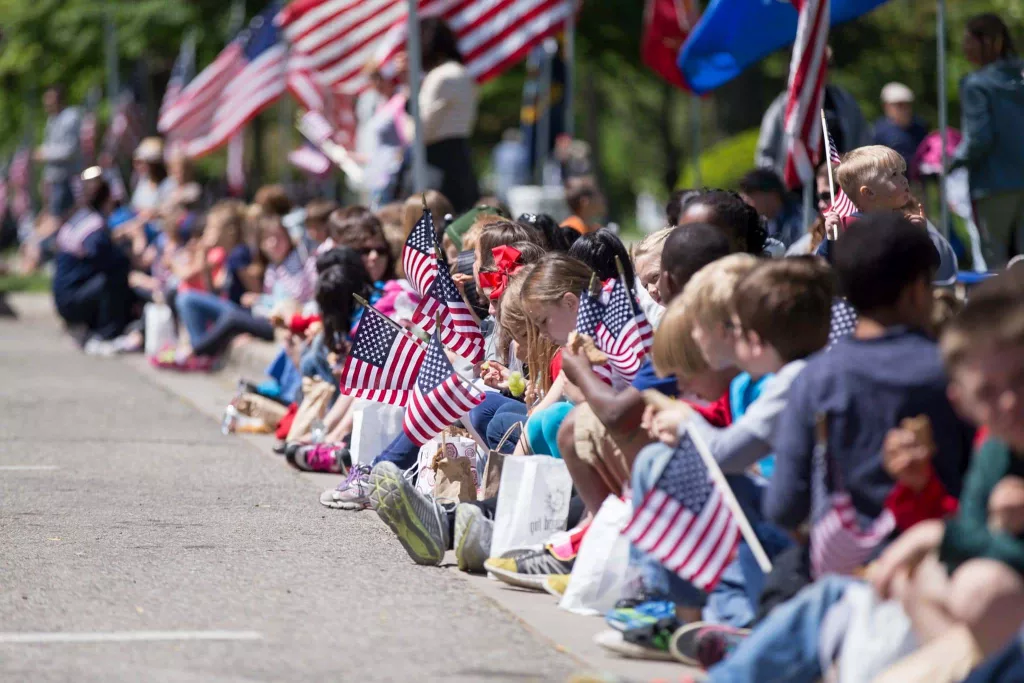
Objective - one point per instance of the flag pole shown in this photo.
(419, 148)
(110, 50)
(568, 101)
(730, 499)
(542, 139)
(828, 157)
(940, 35)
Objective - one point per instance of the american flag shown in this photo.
(623, 332)
(336, 111)
(842, 204)
(336, 38)
(806, 91)
(588, 315)
(419, 256)
(439, 398)
(684, 522)
(460, 331)
(182, 72)
(838, 543)
(249, 75)
(309, 160)
(383, 363)
(843, 322)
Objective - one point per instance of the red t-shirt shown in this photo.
(717, 414)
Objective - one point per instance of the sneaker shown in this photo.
(704, 645)
(614, 641)
(420, 522)
(100, 347)
(555, 584)
(651, 624)
(529, 570)
(472, 541)
(320, 458)
(351, 494)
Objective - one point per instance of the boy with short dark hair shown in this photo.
(763, 189)
(886, 371)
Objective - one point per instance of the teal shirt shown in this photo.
(967, 535)
(743, 391)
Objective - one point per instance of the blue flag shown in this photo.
(734, 34)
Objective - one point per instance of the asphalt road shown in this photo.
(128, 522)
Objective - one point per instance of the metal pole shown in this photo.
(695, 140)
(419, 148)
(940, 35)
(568, 101)
(110, 51)
(542, 141)
(808, 204)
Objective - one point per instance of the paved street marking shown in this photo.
(123, 637)
(26, 468)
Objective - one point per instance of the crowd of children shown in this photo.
(868, 429)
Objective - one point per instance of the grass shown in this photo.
(36, 282)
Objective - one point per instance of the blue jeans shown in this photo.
(213, 322)
(402, 451)
(733, 600)
(287, 376)
(494, 417)
(198, 310)
(784, 647)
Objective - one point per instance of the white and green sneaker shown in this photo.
(420, 522)
(473, 533)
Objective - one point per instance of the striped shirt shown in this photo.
(72, 235)
(293, 278)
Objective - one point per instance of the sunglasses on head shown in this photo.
(366, 251)
(824, 197)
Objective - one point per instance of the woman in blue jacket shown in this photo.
(992, 149)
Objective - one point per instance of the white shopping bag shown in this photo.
(160, 332)
(454, 447)
(599, 573)
(533, 502)
(374, 427)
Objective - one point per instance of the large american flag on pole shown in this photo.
(806, 91)
(842, 204)
(419, 256)
(623, 332)
(182, 72)
(336, 38)
(440, 397)
(249, 75)
(383, 362)
(460, 330)
(684, 522)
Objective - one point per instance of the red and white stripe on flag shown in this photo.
(842, 204)
(806, 91)
(336, 38)
(838, 544)
(310, 161)
(335, 112)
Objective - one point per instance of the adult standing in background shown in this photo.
(899, 129)
(447, 106)
(845, 121)
(60, 154)
(992, 149)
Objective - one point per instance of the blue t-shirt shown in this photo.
(238, 260)
(743, 391)
(646, 378)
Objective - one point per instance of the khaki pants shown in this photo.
(1000, 219)
(603, 451)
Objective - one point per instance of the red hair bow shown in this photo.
(506, 262)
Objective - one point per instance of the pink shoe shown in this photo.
(319, 458)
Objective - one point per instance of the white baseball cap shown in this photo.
(897, 93)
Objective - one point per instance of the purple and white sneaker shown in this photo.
(351, 494)
(318, 458)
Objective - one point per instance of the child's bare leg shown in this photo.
(925, 599)
(988, 597)
(336, 416)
